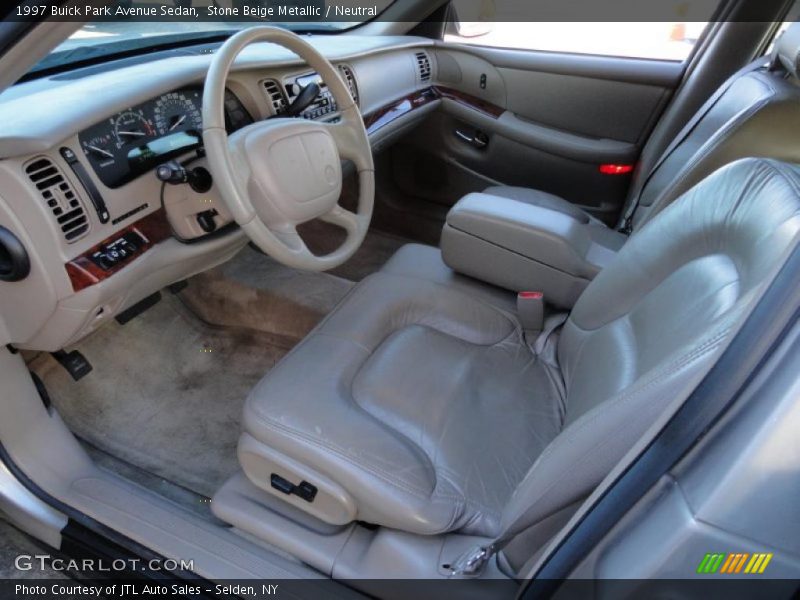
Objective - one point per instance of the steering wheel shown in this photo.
(276, 174)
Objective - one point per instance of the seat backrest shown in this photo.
(757, 115)
(652, 322)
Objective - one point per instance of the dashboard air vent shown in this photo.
(350, 80)
(60, 198)
(424, 66)
(276, 96)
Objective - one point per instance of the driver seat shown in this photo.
(418, 404)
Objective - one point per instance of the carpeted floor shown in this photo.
(166, 393)
(167, 388)
(199, 504)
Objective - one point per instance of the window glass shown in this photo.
(667, 40)
(129, 31)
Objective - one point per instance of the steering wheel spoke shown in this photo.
(351, 222)
(347, 140)
(289, 236)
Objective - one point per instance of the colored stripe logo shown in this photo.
(733, 563)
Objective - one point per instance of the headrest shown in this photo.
(787, 50)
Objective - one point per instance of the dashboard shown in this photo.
(79, 187)
(136, 140)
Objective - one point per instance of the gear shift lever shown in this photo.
(303, 100)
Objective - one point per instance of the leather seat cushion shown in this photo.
(422, 401)
(417, 261)
(542, 199)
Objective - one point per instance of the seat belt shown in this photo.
(472, 563)
(761, 61)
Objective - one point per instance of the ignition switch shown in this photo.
(174, 173)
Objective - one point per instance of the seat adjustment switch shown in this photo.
(305, 490)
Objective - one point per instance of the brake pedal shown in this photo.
(74, 362)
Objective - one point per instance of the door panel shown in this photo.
(434, 166)
(583, 105)
(543, 120)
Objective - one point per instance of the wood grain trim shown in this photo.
(393, 111)
(82, 271)
(399, 108)
(470, 101)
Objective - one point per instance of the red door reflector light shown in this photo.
(612, 169)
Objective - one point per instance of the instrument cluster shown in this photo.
(136, 140)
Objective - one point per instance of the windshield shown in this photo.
(136, 25)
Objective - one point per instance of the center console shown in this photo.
(522, 247)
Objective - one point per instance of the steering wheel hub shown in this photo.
(296, 170)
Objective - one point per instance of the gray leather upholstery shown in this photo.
(419, 396)
(416, 261)
(521, 246)
(404, 390)
(787, 49)
(539, 198)
(757, 115)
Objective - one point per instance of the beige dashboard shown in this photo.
(143, 235)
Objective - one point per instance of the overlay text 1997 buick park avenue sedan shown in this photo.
(438, 301)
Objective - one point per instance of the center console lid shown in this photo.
(522, 247)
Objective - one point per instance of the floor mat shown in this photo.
(166, 393)
(253, 291)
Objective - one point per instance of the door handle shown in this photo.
(480, 140)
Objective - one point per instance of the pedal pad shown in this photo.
(177, 287)
(74, 362)
(138, 308)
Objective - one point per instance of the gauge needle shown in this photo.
(100, 151)
(131, 133)
(178, 122)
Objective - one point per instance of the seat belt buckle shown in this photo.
(473, 562)
(627, 226)
(530, 310)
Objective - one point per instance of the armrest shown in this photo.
(520, 247)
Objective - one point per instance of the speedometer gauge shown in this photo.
(178, 111)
